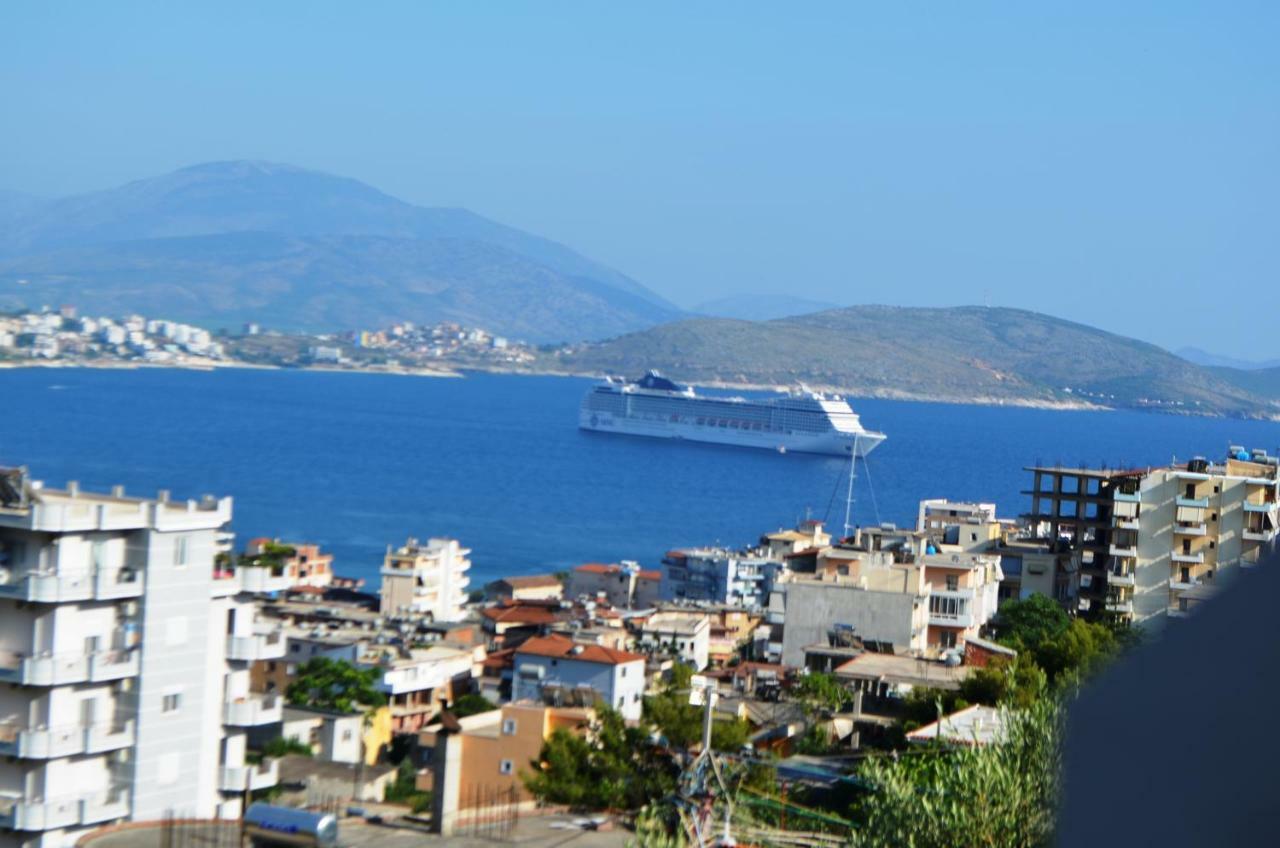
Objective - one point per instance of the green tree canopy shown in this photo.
(1004, 794)
(330, 684)
(614, 767)
(471, 704)
(1027, 624)
(820, 692)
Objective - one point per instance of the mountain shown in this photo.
(1203, 357)
(1264, 382)
(761, 307)
(295, 249)
(961, 354)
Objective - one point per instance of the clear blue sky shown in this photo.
(1114, 163)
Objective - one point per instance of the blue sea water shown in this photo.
(359, 461)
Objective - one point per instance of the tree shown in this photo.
(329, 684)
(613, 767)
(820, 693)
(1000, 794)
(471, 704)
(1018, 683)
(1027, 624)
(281, 746)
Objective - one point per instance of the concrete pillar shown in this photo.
(447, 768)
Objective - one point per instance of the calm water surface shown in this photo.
(357, 461)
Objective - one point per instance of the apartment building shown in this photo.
(125, 649)
(718, 576)
(302, 563)
(420, 682)
(426, 579)
(624, 585)
(1142, 538)
(555, 669)
(475, 766)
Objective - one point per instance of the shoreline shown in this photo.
(459, 372)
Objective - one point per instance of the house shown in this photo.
(977, 725)
(331, 735)
(686, 637)
(532, 587)
(509, 623)
(555, 669)
(303, 563)
(420, 682)
(474, 765)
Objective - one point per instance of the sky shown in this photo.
(1111, 163)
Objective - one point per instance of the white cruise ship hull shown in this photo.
(833, 443)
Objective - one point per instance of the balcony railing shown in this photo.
(1182, 585)
(1123, 551)
(249, 777)
(34, 815)
(1192, 503)
(259, 646)
(253, 711)
(1121, 607)
(1251, 506)
(1114, 579)
(261, 579)
(1194, 559)
(1200, 529)
(1127, 523)
(62, 669)
(1259, 535)
(56, 587)
(1126, 497)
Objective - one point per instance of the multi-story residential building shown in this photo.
(555, 669)
(124, 649)
(426, 580)
(1143, 537)
(420, 682)
(686, 637)
(531, 587)
(622, 585)
(475, 768)
(718, 576)
(907, 596)
(302, 563)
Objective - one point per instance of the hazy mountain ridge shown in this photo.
(230, 241)
(962, 354)
(761, 307)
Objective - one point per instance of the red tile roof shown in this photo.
(531, 581)
(651, 575)
(598, 568)
(519, 614)
(562, 647)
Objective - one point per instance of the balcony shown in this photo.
(1192, 503)
(1266, 506)
(1126, 497)
(1127, 524)
(224, 583)
(114, 665)
(112, 583)
(41, 743)
(1182, 585)
(111, 736)
(253, 711)
(44, 669)
(261, 579)
(1199, 529)
(1114, 579)
(1259, 535)
(259, 646)
(941, 619)
(249, 777)
(1120, 607)
(105, 806)
(1123, 551)
(1192, 559)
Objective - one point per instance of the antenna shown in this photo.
(853, 472)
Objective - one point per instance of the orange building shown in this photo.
(473, 765)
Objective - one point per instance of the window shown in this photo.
(179, 551)
(508, 727)
(506, 767)
(947, 639)
(623, 673)
(171, 703)
(953, 582)
(346, 735)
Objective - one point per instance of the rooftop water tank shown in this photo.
(272, 825)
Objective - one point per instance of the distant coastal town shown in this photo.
(64, 337)
(758, 685)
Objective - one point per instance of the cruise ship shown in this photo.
(803, 421)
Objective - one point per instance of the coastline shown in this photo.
(460, 371)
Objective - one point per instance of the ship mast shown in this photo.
(848, 502)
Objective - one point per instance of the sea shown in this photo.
(360, 461)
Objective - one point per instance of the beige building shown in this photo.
(475, 765)
(623, 585)
(1144, 537)
(425, 580)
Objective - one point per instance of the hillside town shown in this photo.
(157, 665)
(63, 336)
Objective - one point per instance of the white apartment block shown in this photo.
(125, 650)
(687, 637)
(426, 580)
